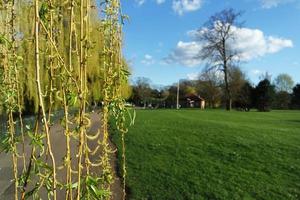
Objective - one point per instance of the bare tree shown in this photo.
(265, 76)
(217, 36)
(209, 86)
(284, 82)
(143, 89)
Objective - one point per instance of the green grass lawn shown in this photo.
(213, 154)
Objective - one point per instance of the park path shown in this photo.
(58, 141)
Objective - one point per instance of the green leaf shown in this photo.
(72, 99)
(4, 40)
(27, 127)
(43, 13)
(74, 185)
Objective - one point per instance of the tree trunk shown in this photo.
(225, 68)
(227, 90)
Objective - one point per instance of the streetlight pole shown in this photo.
(177, 103)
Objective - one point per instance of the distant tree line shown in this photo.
(281, 93)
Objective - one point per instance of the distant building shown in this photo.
(192, 101)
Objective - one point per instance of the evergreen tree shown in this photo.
(244, 99)
(296, 97)
(264, 95)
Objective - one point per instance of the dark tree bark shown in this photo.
(227, 89)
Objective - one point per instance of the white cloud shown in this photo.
(193, 76)
(148, 57)
(140, 2)
(148, 60)
(183, 6)
(274, 3)
(276, 44)
(250, 43)
(185, 54)
(160, 1)
(257, 72)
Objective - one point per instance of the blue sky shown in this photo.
(158, 43)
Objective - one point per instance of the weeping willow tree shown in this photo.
(60, 12)
(62, 55)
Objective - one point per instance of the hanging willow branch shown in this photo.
(41, 99)
(70, 58)
(10, 93)
(115, 75)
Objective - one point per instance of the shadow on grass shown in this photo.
(294, 121)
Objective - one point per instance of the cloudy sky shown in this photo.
(161, 39)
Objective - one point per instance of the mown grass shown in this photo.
(213, 154)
